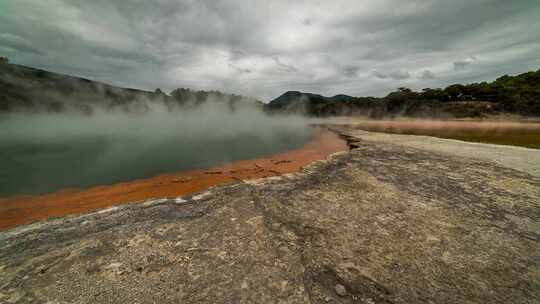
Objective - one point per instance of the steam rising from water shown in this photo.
(46, 152)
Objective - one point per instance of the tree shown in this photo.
(434, 94)
(399, 99)
(454, 91)
(404, 90)
(4, 60)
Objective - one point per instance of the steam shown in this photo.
(44, 152)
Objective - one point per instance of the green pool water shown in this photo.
(45, 153)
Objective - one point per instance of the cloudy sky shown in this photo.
(263, 48)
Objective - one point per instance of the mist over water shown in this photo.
(44, 152)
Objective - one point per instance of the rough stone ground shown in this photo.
(384, 223)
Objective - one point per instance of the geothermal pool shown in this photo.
(46, 153)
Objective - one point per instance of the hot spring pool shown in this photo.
(45, 153)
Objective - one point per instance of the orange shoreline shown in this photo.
(23, 209)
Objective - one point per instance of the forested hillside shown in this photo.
(28, 89)
(508, 94)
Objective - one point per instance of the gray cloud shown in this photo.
(283, 66)
(396, 75)
(18, 43)
(427, 74)
(350, 71)
(263, 48)
(380, 75)
(462, 64)
(400, 75)
(240, 70)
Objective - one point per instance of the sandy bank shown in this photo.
(518, 158)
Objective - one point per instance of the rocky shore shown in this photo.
(398, 219)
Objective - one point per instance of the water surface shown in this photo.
(45, 153)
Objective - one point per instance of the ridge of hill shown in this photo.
(29, 89)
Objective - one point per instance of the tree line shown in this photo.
(507, 94)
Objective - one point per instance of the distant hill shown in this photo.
(508, 94)
(298, 102)
(28, 89)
